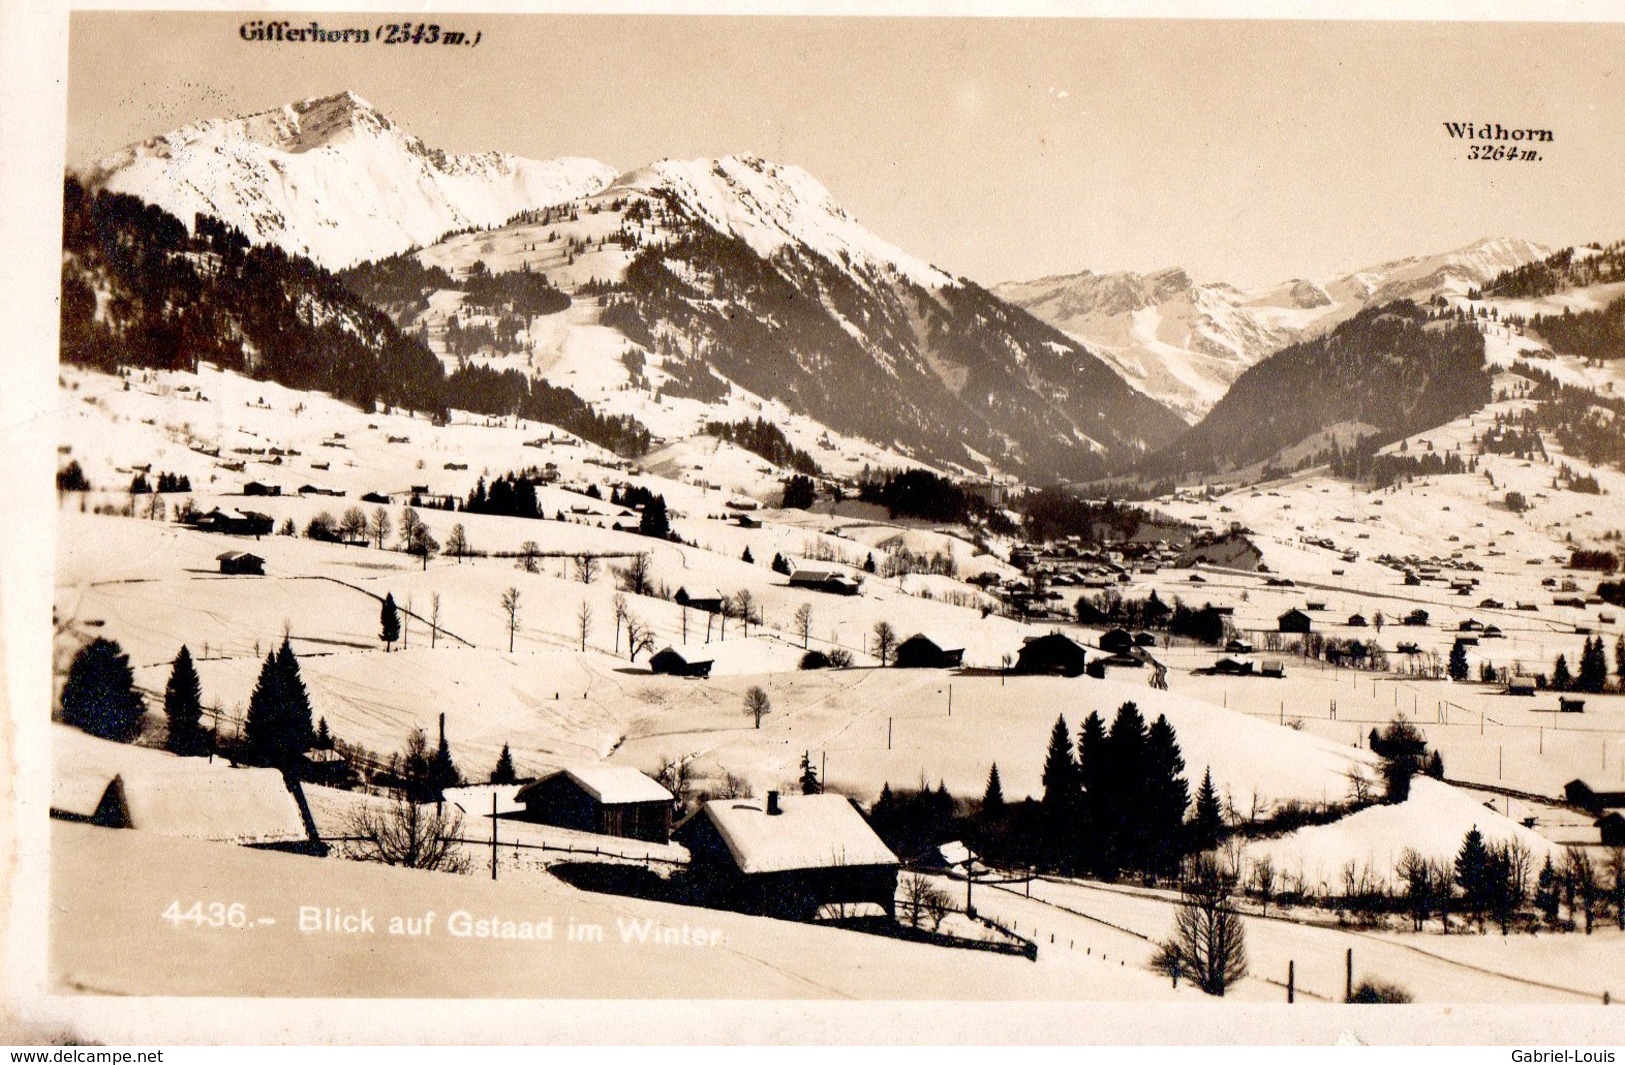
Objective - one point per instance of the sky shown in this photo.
(997, 148)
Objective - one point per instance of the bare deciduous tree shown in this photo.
(1210, 942)
(885, 641)
(745, 608)
(457, 542)
(636, 576)
(406, 833)
(586, 567)
(757, 703)
(804, 623)
(621, 614)
(434, 617)
(528, 552)
(380, 527)
(510, 606)
(353, 525)
(583, 621)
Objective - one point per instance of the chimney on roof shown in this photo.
(773, 803)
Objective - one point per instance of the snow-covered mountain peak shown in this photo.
(334, 178)
(772, 206)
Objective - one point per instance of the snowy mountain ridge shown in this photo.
(1185, 343)
(334, 179)
(771, 206)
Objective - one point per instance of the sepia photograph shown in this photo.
(929, 513)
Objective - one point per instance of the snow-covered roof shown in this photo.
(938, 640)
(612, 783)
(173, 796)
(809, 832)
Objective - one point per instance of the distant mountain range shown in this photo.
(1185, 343)
(721, 273)
(729, 283)
(332, 179)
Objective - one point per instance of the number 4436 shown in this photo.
(211, 914)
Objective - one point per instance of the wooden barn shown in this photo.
(241, 563)
(611, 800)
(1294, 620)
(674, 663)
(1520, 685)
(234, 522)
(709, 600)
(787, 857)
(1568, 705)
(922, 652)
(1611, 829)
(1117, 642)
(823, 580)
(1052, 653)
(1595, 795)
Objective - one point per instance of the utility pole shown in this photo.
(1348, 976)
(1291, 982)
(493, 835)
(888, 734)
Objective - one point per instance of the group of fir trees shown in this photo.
(1592, 676)
(278, 729)
(1115, 801)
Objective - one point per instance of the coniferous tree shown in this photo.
(1458, 662)
(389, 621)
(183, 706)
(443, 771)
(278, 728)
(1546, 891)
(99, 694)
(654, 521)
(809, 776)
(1061, 793)
(1619, 662)
(1562, 679)
(1092, 766)
(324, 738)
(1593, 675)
(1123, 807)
(746, 556)
(993, 797)
(780, 564)
(504, 773)
(1473, 873)
(1169, 794)
(1207, 821)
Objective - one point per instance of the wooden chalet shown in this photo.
(1569, 705)
(1517, 685)
(787, 857)
(709, 600)
(241, 563)
(1232, 667)
(1611, 829)
(1594, 796)
(1052, 653)
(1272, 667)
(610, 800)
(234, 522)
(675, 663)
(1117, 642)
(824, 580)
(1294, 620)
(922, 652)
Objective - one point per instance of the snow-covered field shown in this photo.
(556, 695)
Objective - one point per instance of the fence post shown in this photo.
(1348, 976)
(1291, 981)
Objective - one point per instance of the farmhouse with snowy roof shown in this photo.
(611, 800)
(922, 652)
(824, 580)
(675, 663)
(787, 856)
(240, 563)
(1053, 652)
(707, 599)
(1294, 620)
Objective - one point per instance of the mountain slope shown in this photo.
(333, 179)
(1389, 370)
(739, 272)
(1185, 343)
